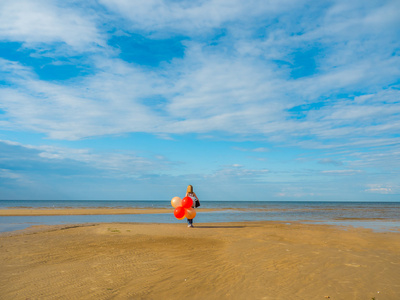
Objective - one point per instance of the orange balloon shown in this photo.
(190, 213)
(187, 202)
(176, 201)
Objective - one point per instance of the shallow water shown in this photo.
(374, 215)
(293, 205)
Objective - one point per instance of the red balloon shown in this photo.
(187, 202)
(179, 212)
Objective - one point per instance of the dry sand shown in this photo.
(254, 260)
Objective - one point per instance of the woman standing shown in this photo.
(196, 202)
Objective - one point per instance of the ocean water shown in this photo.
(379, 216)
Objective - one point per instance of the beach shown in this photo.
(243, 260)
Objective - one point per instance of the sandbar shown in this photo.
(244, 260)
(84, 211)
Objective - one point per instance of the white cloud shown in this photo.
(239, 172)
(116, 163)
(9, 174)
(164, 17)
(382, 189)
(384, 158)
(214, 88)
(329, 161)
(111, 102)
(289, 195)
(37, 23)
(342, 172)
(238, 98)
(259, 149)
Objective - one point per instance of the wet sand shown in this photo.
(85, 211)
(246, 260)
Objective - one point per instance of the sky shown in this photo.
(274, 100)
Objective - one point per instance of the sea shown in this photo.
(378, 216)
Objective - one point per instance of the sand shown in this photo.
(252, 260)
(84, 211)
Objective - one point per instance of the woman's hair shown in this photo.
(189, 189)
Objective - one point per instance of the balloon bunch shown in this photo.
(183, 208)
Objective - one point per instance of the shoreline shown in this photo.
(236, 260)
(66, 211)
(61, 211)
(86, 211)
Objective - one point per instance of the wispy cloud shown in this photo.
(258, 149)
(121, 164)
(329, 161)
(239, 173)
(4, 173)
(342, 172)
(382, 189)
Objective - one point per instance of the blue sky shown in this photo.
(245, 100)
